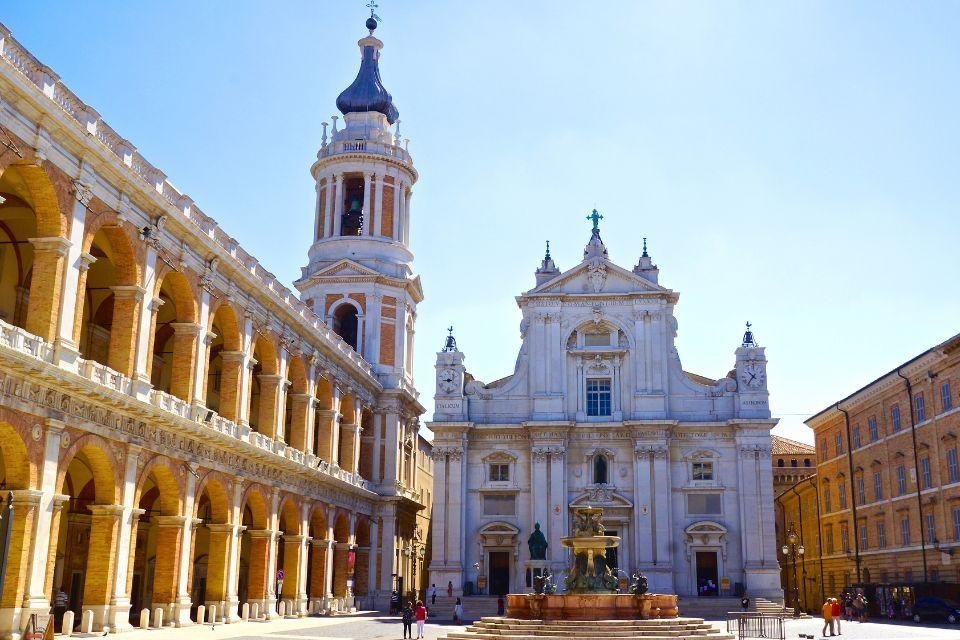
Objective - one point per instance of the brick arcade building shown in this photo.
(176, 426)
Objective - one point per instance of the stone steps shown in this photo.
(655, 629)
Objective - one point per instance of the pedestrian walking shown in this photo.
(836, 615)
(60, 602)
(827, 611)
(420, 613)
(450, 588)
(432, 592)
(500, 606)
(744, 603)
(458, 612)
(408, 621)
(394, 603)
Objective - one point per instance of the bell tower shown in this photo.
(359, 276)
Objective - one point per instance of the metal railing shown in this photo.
(756, 625)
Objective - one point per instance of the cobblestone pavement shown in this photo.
(871, 630)
(376, 626)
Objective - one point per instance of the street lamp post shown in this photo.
(791, 550)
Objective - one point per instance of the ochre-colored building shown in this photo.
(884, 505)
(177, 428)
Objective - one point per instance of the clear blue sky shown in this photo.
(793, 163)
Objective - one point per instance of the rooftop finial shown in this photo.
(547, 255)
(748, 339)
(451, 344)
(645, 254)
(596, 218)
(374, 18)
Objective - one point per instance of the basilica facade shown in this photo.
(182, 437)
(599, 411)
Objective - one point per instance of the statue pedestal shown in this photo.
(535, 568)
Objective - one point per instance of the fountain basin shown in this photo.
(585, 543)
(591, 606)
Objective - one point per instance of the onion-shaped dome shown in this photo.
(367, 92)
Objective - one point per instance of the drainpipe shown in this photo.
(803, 558)
(853, 495)
(916, 466)
(816, 494)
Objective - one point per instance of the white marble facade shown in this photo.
(599, 411)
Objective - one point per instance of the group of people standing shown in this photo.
(848, 607)
(418, 612)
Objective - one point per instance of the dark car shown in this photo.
(936, 608)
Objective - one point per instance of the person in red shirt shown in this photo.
(420, 612)
(836, 615)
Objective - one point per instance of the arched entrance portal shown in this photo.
(498, 546)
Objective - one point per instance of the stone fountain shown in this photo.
(591, 587)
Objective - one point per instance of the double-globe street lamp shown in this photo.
(791, 550)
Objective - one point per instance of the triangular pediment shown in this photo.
(597, 276)
(344, 268)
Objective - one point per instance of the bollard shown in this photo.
(67, 624)
(212, 617)
(283, 608)
(145, 618)
(245, 612)
(255, 611)
(158, 617)
(86, 624)
(201, 612)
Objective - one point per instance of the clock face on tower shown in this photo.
(448, 380)
(753, 376)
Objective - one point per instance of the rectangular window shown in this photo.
(918, 402)
(861, 494)
(926, 481)
(895, 417)
(838, 441)
(499, 472)
(823, 450)
(856, 436)
(881, 535)
(930, 526)
(952, 471)
(703, 471)
(830, 547)
(872, 425)
(598, 396)
(842, 494)
(904, 532)
(863, 537)
(877, 486)
(844, 538)
(901, 480)
(945, 400)
(826, 500)
(956, 524)
(703, 503)
(499, 505)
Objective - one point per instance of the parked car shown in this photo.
(936, 608)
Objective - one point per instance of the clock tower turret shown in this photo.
(359, 276)
(449, 401)
(753, 398)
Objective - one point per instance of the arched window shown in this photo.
(793, 463)
(345, 324)
(599, 469)
(779, 462)
(806, 462)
